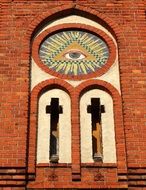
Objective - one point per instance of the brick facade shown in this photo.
(19, 22)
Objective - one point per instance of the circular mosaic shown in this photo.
(74, 53)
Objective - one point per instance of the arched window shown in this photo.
(97, 127)
(54, 127)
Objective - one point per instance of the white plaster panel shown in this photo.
(107, 120)
(43, 140)
(37, 74)
(112, 76)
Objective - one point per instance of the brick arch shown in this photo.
(118, 115)
(73, 8)
(103, 85)
(36, 92)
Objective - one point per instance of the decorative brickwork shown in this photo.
(21, 22)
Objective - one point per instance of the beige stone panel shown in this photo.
(43, 140)
(108, 132)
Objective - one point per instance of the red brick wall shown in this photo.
(19, 20)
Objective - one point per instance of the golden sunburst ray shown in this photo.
(68, 67)
(61, 39)
(52, 48)
(98, 45)
(44, 52)
(71, 69)
(77, 34)
(83, 68)
(64, 67)
(75, 69)
(53, 43)
(45, 46)
(105, 54)
(79, 68)
(66, 36)
(95, 64)
(56, 41)
(88, 40)
(60, 66)
(49, 43)
(93, 44)
(101, 49)
(83, 37)
(71, 36)
(53, 65)
(90, 66)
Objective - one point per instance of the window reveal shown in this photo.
(96, 109)
(54, 109)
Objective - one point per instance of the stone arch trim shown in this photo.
(36, 92)
(118, 116)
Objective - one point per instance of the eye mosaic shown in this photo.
(74, 53)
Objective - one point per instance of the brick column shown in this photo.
(76, 160)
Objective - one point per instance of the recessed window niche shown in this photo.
(53, 122)
(101, 128)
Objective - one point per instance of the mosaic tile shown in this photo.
(74, 52)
